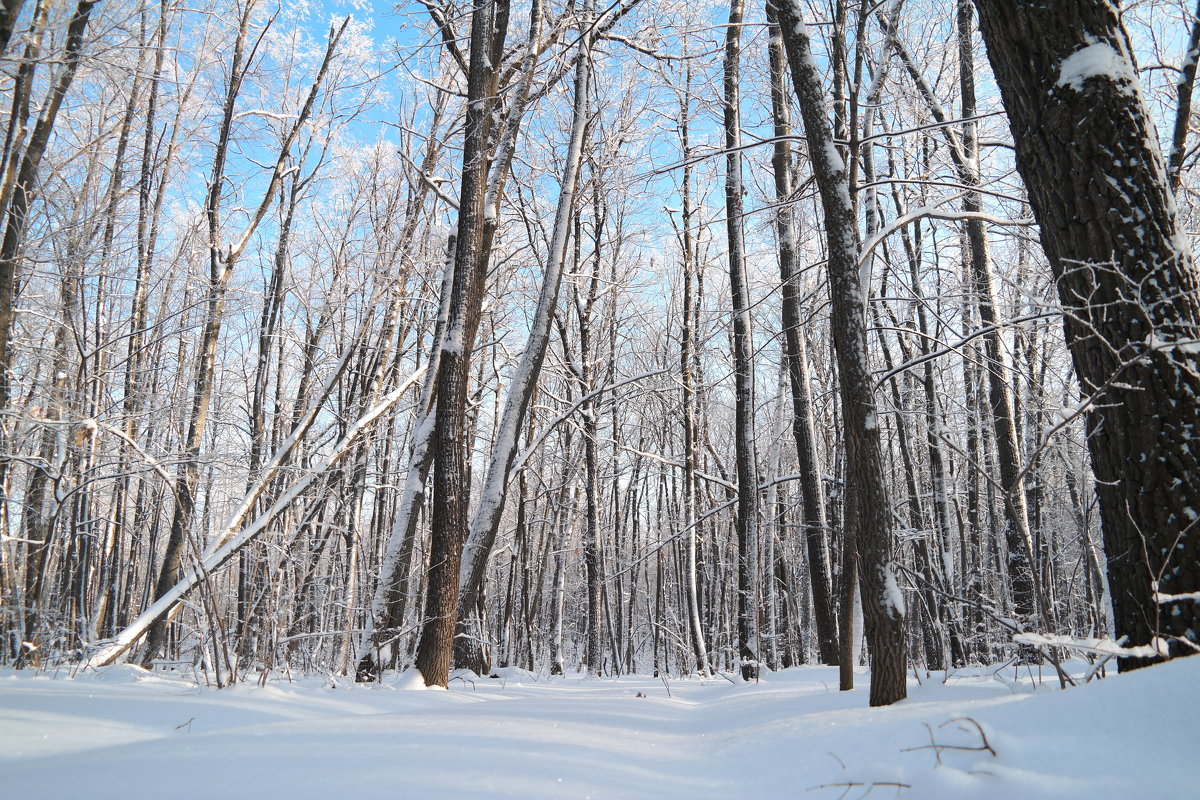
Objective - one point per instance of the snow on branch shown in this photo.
(230, 542)
(1107, 647)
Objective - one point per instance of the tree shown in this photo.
(868, 512)
(796, 351)
(964, 153)
(489, 26)
(222, 257)
(743, 356)
(1130, 295)
(486, 518)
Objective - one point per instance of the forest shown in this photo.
(646, 337)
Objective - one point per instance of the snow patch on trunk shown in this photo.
(1097, 60)
(891, 592)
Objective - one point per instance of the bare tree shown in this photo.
(1130, 296)
(868, 511)
(485, 521)
(489, 26)
(222, 257)
(796, 350)
(743, 356)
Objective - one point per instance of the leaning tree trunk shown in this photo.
(869, 513)
(1183, 106)
(803, 430)
(1087, 151)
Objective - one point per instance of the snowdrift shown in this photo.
(124, 733)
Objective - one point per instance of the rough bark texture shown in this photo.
(796, 352)
(743, 359)
(1130, 296)
(868, 510)
(449, 518)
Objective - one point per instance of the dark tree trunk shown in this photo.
(489, 23)
(743, 359)
(868, 511)
(811, 495)
(1129, 291)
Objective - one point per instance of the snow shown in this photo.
(1157, 647)
(895, 597)
(1165, 599)
(121, 732)
(1097, 60)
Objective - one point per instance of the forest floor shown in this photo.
(125, 733)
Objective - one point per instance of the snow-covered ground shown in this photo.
(124, 733)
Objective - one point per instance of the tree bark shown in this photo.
(688, 370)
(743, 358)
(812, 494)
(1127, 282)
(489, 25)
(869, 511)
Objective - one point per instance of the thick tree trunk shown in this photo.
(869, 512)
(489, 24)
(1131, 298)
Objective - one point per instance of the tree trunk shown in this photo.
(489, 25)
(1183, 106)
(796, 352)
(869, 511)
(1129, 291)
(377, 648)
(485, 521)
(743, 358)
(688, 368)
